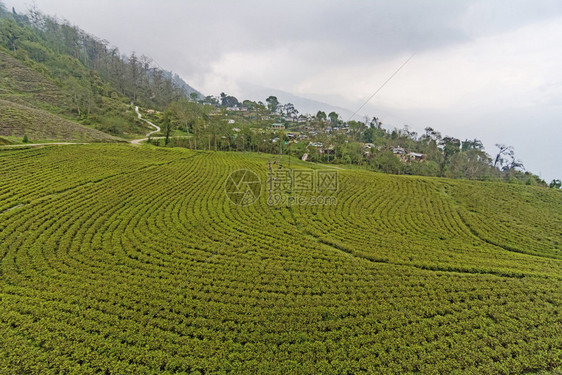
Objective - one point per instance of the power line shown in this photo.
(381, 87)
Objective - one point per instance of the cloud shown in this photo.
(513, 69)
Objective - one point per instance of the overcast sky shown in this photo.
(480, 69)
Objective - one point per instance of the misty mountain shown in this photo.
(178, 82)
(304, 105)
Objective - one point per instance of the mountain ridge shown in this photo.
(303, 104)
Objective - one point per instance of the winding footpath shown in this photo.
(138, 141)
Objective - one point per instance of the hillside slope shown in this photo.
(17, 120)
(115, 258)
(23, 85)
(55, 66)
(32, 105)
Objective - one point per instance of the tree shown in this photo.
(49, 41)
(82, 97)
(272, 103)
(35, 51)
(514, 164)
(387, 162)
(376, 123)
(184, 113)
(505, 159)
(431, 135)
(471, 164)
(134, 75)
(334, 117)
(357, 128)
(10, 34)
(168, 126)
(375, 135)
(555, 184)
(474, 144)
(228, 100)
(502, 151)
(290, 109)
(211, 100)
(451, 146)
(321, 116)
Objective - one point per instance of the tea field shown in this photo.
(120, 259)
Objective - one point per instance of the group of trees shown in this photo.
(444, 156)
(450, 157)
(201, 131)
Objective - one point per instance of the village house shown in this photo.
(414, 156)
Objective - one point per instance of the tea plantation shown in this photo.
(122, 259)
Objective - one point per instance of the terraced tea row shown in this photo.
(513, 217)
(413, 221)
(134, 260)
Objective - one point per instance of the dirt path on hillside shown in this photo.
(138, 141)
